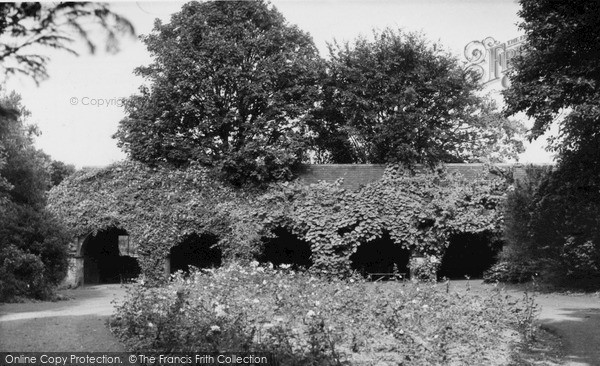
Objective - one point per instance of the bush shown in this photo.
(303, 319)
(34, 253)
(511, 272)
(520, 258)
(424, 268)
(552, 228)
(21, 274)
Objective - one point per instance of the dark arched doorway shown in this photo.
(469, 255)
(106, 259)
(381, 257)
(195, 250)
(286, 248)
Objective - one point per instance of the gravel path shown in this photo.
(73, 325)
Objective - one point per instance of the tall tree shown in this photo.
(230, 85)
(399, 98)
(557, 79)
(33, 244)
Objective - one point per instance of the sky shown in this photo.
(79, 107)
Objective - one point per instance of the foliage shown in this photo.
(520, 259)
(558, 68)
(424, 268)
(159, 206)
(32, 241)
(34, 252)
(59, 171)
(566, 224)
(512, 270)
(22, 274)
(229, 87)
(418, 211)
(25, 27)
(303, 319)
(400, 99)
(551, 230)
(558, 76)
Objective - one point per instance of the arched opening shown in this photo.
(469, 255)
(286, 248)
(106, 258)
(195, 250)
(381, 259)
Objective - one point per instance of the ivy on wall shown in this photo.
(160, 206)
(419, 212)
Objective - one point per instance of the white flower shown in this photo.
(254, 264)
(317, 303)
(150, 325)
(310, 314)
(285, 266)
(220, 310)
(215, 328)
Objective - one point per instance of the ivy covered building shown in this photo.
(128, 219)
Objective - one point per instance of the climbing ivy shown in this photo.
(419, 211)
(160, 206)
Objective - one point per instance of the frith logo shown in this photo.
(490, 59)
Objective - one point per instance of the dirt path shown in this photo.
(576, 318)
(73, 325)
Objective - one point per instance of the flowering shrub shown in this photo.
(303, 319)
(424, 268)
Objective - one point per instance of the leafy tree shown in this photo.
(557, 78)
(59, 171)
(399, 99)
(558, 68)
(25, 167)
(229, 87)
(33, 245)
(26, 28)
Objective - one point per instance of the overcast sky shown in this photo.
(78, 132)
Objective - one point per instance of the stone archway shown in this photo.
(108, 258)
(286, 248)
(195, 250)
(381, 257)
(469, 255)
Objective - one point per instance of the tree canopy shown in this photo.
(400, 99)
(558, 68)
(229, 87)
(557, 78)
